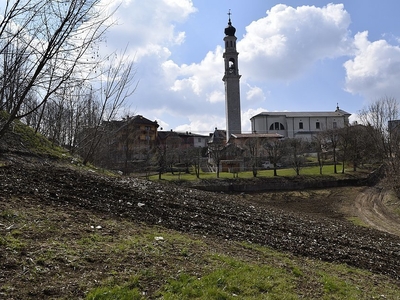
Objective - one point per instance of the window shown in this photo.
(199, 140)
(334, 125)
(301, 125)
(231, 66)
(317, 125)
(276, 126)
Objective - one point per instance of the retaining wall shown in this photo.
(238, 185)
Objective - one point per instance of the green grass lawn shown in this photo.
(287, 172)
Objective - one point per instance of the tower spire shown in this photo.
(230, 30)
(232, 81)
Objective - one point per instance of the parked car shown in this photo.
(268, 165)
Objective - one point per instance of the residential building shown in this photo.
(233, 156)
(241, 140)
(186, 139)
(130, 141)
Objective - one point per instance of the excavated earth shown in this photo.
(307, 223)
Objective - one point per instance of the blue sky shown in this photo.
(293, 56)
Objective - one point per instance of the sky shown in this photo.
(294, 55)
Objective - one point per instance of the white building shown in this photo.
(298, 124)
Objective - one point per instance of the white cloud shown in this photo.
(375, 70)
(162, 125)
(180, 38)
(246, 115)
(146, 23)
(354, 118)
(288, 40)
(255, 94)
(203, 124)
(202, 79)
(181, 8)
(216, 96)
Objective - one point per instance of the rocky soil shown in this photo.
(310, 224)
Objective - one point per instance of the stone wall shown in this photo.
(238, 185)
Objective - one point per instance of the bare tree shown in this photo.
(114, 89)
(295, 148)
(190, 156)
(196, 154)
(332, 141)
(377, 118)
(233, 155)
(361, 146)
(216, 152)
(173, 152)
(319, 145)
(381, 119)
(355, 145)
(159, 158)
(252, 146)
(344, 143)
(44, 44)
(276, 149)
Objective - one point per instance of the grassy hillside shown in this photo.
(22, 139)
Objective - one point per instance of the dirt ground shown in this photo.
(372, 207)
(307, 223)
(377, 208)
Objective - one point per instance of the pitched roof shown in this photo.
(219, 136)
(257, 135)
(164, 134)
(138, 119)
(189, 134)
(305, 114)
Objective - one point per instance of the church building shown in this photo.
(285, 124)
(303, 125)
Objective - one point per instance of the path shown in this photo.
(376, 208)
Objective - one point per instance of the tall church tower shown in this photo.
(231, 79)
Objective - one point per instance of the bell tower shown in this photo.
(231, 79)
